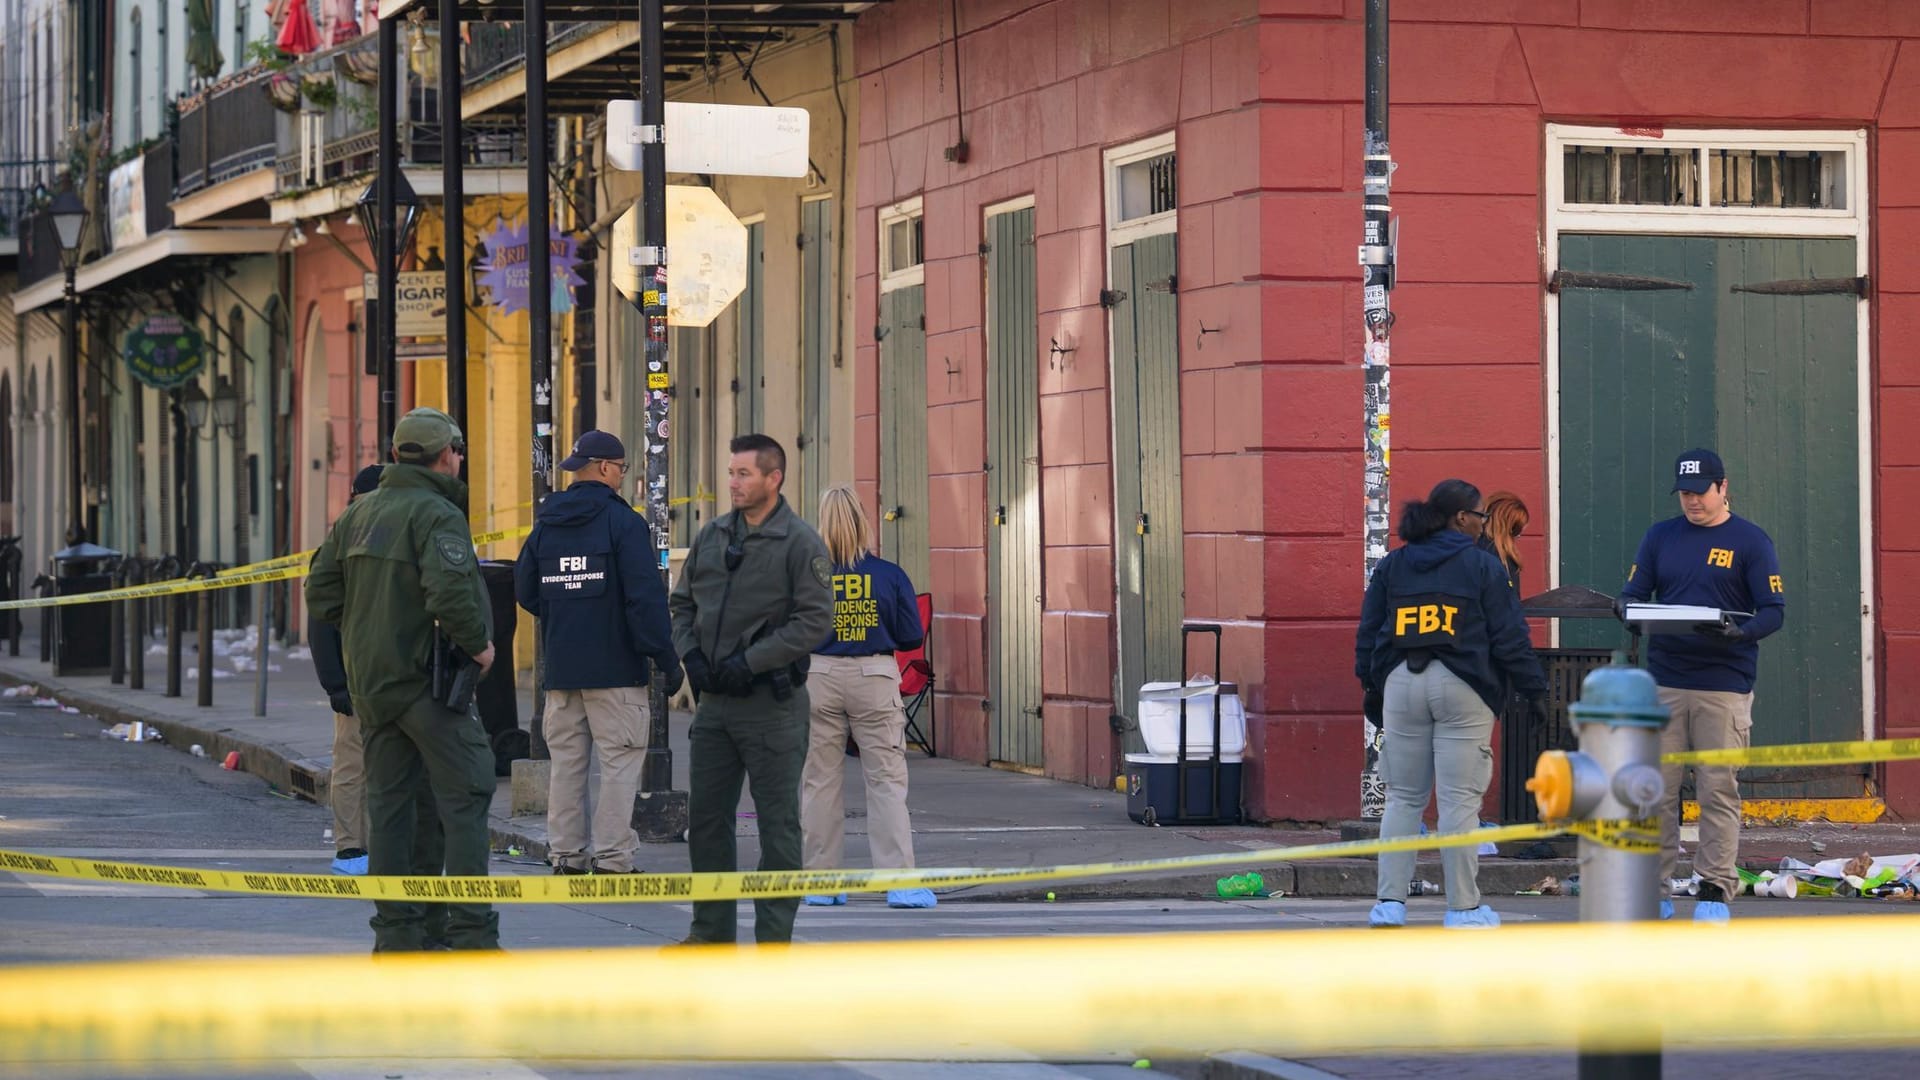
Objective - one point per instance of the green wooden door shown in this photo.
(903, 431)
(1669, 342)
(1013, 492)
(1148, 540)
(750, 315)
(816, 352)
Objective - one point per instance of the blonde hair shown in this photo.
(844, 525)
(1506, 516)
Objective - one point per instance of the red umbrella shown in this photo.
(298, 37)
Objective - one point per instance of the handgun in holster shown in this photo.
(455, 675)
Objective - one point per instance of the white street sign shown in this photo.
(719, 140)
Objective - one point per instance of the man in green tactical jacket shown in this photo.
(754, 600)
(398, 563)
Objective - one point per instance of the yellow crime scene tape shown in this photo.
(764, 885)
(1830, 753)
(282, 568)
(1600, 987)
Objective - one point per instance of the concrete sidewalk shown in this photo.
(963, 815)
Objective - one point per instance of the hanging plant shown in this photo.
(319, 91)
(284, 91)
(361, 65)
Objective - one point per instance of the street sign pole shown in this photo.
(539, 309)
(660, 812)
(1376, 260)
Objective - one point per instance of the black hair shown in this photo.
(1419, 520)
(769, 455)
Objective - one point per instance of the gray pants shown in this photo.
(1437, 730)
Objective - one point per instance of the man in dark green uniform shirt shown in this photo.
(397, 563)
(754, 599)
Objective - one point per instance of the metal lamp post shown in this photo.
(387, 252)
(224, 407)
(69, 221)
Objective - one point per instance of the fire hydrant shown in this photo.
(1614, 775)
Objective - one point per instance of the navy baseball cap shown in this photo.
(593, 446)
(1698, 470)
(367, 479)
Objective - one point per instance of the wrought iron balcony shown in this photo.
(327, 119)
(226, 130)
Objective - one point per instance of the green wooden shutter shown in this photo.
(1149, 541)
(903, 431)
(1013, 491)
(1767, 378)
(749, 381)
(816, 349)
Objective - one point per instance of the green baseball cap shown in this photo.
(422, 434)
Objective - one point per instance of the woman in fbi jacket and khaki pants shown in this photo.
(854, 684)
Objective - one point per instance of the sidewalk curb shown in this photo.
(309, 780)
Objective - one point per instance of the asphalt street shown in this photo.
(66, 789)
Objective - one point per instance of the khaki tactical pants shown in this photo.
(428, 758)
(861, 695)
(761, 742)
(1704, 720)
(347, 790)
(1437, 730)
(609, 724)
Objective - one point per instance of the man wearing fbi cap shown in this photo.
(394, 569)
(1709, 557)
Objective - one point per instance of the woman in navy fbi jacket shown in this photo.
(854, 684)
(1440, 635)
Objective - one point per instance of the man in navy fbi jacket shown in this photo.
(1711, 557)
(589, 574)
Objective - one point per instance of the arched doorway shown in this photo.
(316, 435)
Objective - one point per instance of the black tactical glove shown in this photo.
(671, 677)
(1620, 612)
(342, 703)
(1373, 705)
(698, 672)
(734, 678)
(1721, 632)
(1537, 715)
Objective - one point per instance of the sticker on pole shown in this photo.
(721, 140)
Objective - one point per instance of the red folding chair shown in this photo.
(917, 678)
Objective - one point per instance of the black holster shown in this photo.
(1418, 659)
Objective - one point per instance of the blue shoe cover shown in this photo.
(1480, 918)
(1711, 911)
(1666, 909)
(1387, 914)
(827, 901)
(354, 867)
(911, 898)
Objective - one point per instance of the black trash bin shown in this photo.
(1521, 743)
(497, 698)
(82, 633)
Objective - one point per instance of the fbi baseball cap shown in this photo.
(593, 446)
(422, 434)
(1697, 470)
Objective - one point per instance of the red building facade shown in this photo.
(1490, 99)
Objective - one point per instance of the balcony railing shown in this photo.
(226, 130)
(39, 251)
(13, 211)
(332, 133)
(493, 50)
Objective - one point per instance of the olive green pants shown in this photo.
(762, 742)
(428, 766)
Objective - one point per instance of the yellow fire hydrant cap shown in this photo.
(1552, 785)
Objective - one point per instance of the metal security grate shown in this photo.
(1631, 175)
(1146, 187)
(1784, 179)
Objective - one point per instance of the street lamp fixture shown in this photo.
(224, 405)
(69, 216)
(406, 210)
(193, 402)
(69, 220)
